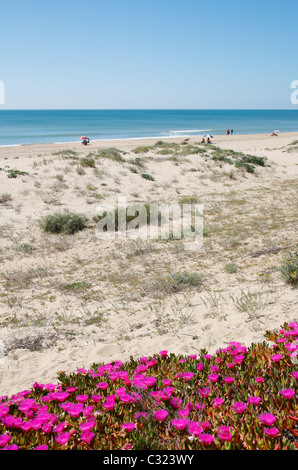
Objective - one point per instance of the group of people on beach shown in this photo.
(230, 131)
(204, 142)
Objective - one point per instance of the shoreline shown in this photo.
(221, 137)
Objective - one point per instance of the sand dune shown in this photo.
(67, 301)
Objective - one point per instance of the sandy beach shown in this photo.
(68, 301)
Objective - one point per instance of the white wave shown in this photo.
(190, 131)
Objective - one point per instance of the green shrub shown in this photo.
(76, 286)
(254, 160)
(147, 177)
(231, 268)
(67, 222)
(142, 149)
(241, 164)
(111, 153)
(16, 173)
(88, 162)
(289, 269)
(179, 281)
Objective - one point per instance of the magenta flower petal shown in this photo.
(161, 415)
(267, 418)
(63, 438)
(287, 393)
(87, 436)
(128, 426)
(205, 438)
(271, 432)
(4, 439)
(180, 423)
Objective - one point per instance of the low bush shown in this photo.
(67, 222)
(111, 153)
(289, 269)
(147, 177)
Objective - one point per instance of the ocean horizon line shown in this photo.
(149, 109)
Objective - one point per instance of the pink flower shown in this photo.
(217, 402)
(75, 409)
(166, 382)
(144, 359)
(228, 380)
(161, 415)
(87, 426)
(176, 402)
(140, 414)
(109, 405)
(60, 427)
(194, 428)
(200, 366)
(295, 374)
(205, 425)
(96, 398)
(271, 432)
(204, 392)
(180, 423)
(276, 357)
(187, 375)
(213, 377)
(259, 379)
(47, 427)
(207, 356)
(63, 438)
(238, 359)
(287, 393)
(199, 406)
(205, 438)
(254, 400)
(224, 433)
(102, 385)
(128, 426)
(4, 439)
(214, 369)
(267, 418)
(239, 407)
(163, 353)
(183, 413)
(41, 447)
(149, 381)
(82, 398)
(87, 436)
(11, 447)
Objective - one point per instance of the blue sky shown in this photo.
(114, 54)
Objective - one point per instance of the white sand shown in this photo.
(251, 221)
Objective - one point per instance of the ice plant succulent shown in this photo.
(239, 398)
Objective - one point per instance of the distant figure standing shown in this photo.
(228, 131)
(232, 131)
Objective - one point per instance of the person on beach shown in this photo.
(203, 141)
(232, 131)
(228, 131)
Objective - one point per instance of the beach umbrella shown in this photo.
(276, 131)
(208, 136)
(84, 137)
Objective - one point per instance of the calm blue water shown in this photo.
(51, 126)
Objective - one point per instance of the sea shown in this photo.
(20, 127)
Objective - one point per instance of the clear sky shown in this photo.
(146, 54)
